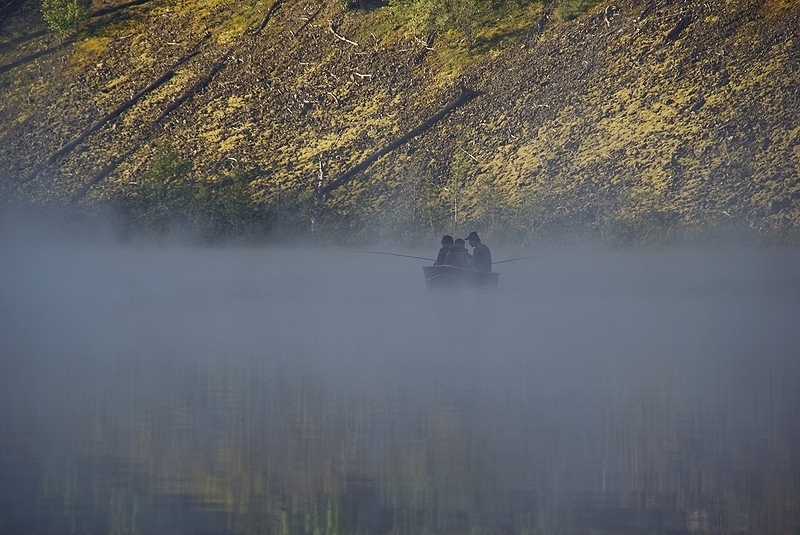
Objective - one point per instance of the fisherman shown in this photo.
(447, 241)
(458, 255)
(481, 255)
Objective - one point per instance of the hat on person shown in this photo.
(459, 241)
(473, 236)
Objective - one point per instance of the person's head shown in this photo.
(473, 239)
(447, 240)
(460, 241)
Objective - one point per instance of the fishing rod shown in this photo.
(433, 260)
(395, 254)
(523, 258)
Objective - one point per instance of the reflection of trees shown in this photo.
(232, 450)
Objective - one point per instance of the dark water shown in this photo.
(179, 390)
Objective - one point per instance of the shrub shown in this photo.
(64, 17)
(165, 194)
(464, 16)
(224, 206)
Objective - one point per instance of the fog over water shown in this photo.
(151, 389)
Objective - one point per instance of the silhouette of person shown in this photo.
(481, 255)
(447, 241)
(458, 255)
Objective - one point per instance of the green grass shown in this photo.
(571, 9)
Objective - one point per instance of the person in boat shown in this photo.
(458, 255)
(447, 241)
(481, 255)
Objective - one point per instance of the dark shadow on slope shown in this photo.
(365, 5)
(8, 9)
(111, 10)
(31, 57)
(681, 25)
(23, 39)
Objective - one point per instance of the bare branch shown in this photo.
(423, 43)
(474, 159)
(341, 38)
(607, 15)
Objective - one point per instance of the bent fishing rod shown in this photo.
(433, 260)
(395, 254)
(522, 258)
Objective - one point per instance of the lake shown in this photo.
(148, 389)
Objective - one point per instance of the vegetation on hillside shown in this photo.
(628, 124)
(64, 17)
(170, 198)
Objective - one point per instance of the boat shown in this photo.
(452, 277)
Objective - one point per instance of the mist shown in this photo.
(178, 389)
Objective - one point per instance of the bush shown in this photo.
(169, 198)
(464, 16)
(64, 17)
(225, 207)
(165, 194)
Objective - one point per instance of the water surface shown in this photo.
(246, 390)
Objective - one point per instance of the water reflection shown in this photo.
(315, 392)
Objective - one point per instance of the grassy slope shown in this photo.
(601, 125)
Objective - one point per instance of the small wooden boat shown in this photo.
(451, 276)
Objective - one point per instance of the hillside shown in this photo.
(631, 122)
